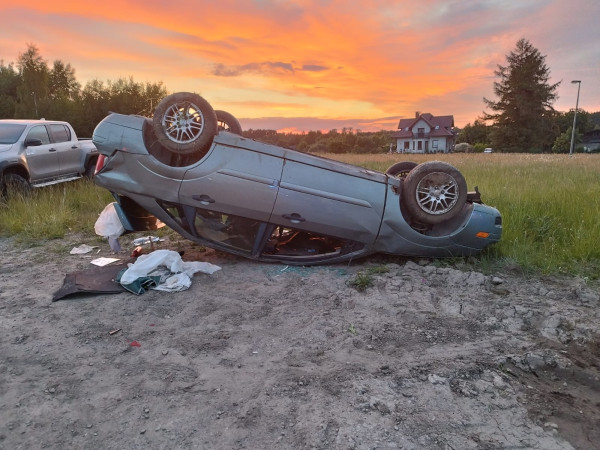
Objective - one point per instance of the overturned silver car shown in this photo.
(190, 168)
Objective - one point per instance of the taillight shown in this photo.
(99, 163)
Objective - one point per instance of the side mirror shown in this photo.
(33, 142)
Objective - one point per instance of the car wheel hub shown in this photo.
(437, 193)
(183, 122)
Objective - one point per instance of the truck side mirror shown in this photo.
(33, 142)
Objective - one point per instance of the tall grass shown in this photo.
(550, 205)
(52, 211)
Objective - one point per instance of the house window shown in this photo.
(406, 145)
(421, 132)
(434, 144)
(420, 145)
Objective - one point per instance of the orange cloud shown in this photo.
(332, 59)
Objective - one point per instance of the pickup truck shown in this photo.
(36, 153)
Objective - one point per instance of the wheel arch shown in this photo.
(13, 167)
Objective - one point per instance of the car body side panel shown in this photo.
(329, 202)
(242, 143)
(127, 173)
(120, 132)
(69, 157)
(397, 237)
(42, 161)
(67, 149)
(234, 181)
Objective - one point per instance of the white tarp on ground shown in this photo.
(176, 274)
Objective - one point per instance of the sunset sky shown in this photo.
(308, 64)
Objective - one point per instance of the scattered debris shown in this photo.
(82, 249)
(109, 225)
(99, 280)
(103, 261)
(146, 240)
(162, 270)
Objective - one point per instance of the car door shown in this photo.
(337, 201)
(42, 159)
(234, 180)
(69, 153)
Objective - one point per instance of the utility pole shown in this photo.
(574, 116)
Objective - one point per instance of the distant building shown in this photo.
(425, 133)
(591, 141)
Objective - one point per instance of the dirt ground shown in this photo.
(263, 356)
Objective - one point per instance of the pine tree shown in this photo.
(522, 116)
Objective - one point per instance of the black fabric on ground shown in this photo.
(95, 280)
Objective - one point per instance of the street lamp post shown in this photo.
(575, 115)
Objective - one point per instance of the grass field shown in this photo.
(53, 211)
(550, 206)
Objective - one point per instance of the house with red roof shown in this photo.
(425, 133)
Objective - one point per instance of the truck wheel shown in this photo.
(14, 185)
(434, 192)
(185, 123)
(90, 168)
(227, 122)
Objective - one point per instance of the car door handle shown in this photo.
(294, 218)
(75, 146)
(204, 199)
(52, 150)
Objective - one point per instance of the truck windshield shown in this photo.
(10, 132)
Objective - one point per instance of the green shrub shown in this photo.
(463, 147)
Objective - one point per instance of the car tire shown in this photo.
(401, 169)
(185, 123)
(13, 185)
(227, 122)
(434, 192)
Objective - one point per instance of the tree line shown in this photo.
(521, 120)
(334, 141)
(31, 89)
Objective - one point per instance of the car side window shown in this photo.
(286, 242)
(226, 229)
(60, 133)
(237, 232)
(39, 132)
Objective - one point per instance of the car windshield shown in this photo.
(10, 132)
